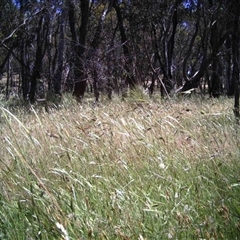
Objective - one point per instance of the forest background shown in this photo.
(49, 47)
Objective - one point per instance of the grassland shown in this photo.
(134, 169)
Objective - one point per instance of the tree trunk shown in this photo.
(215, 78)
(229, 83)
(80, 81)
(5, 60)
(130, 80)
(170, 44)
(235, 54)
(25, 71)
(95, 57)
(190, 47)
(215, 87)
(42, 32)
(57, 80)
(194, 81)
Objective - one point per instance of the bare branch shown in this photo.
(17, 28)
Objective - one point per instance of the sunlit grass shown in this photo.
(138, 169)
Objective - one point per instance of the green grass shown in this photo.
(123, 170)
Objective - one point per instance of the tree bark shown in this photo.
(57, 80)
(194, 81)
(229, 83)
(95, 53)
(130, 80)
(80, 81)
(189, 50)
(170, 44)
(25, 71)
(42, 32)
(235, 54)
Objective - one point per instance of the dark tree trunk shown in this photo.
(8, 78)
(25, 71)
(80, 81)
(162, 65)
(229, 83)
(215, 78)
(95, 57)
(42, 31)
(57, 80)
(190, 47)
(194, 81)
(215, 87)
(219, 32)
(235, 54)
(165, 52)
(170, 44)
(130, 79)
(152, 85)
(5, 60)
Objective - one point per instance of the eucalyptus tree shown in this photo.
(60, 49)
(29, 35)
(20, 37)
(121, 7)
(8, 27)
(41, 38)
(95, 52)
(215, 27)
(86, 20)
(78, 29)
(152, 30)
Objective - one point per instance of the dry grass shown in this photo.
(122, 170)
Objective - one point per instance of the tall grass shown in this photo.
(122, 170)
